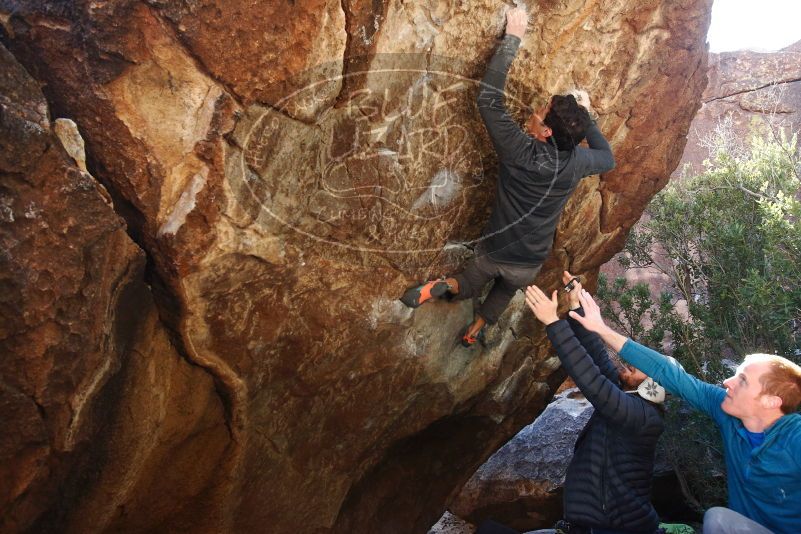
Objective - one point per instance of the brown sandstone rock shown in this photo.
(289, 168)
(94, 400)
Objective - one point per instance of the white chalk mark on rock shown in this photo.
(67, 132)
(384, 310)
(185, 204)
(444, 187)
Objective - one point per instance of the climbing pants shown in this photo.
(507, 277)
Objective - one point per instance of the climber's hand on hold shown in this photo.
(516, 22)
(583, 99)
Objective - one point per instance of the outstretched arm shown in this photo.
(592, 321)
(667, 372)
(545, 310)
(602, 392)
(593, 344)
(598, 159)
(510, 141)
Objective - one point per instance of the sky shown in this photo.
(761, 25)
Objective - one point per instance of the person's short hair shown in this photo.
(783, 379)
(568, 121)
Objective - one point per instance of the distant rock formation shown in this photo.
(749, 92)
(238, 362)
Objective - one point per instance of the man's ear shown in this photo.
(771, 401)
(547, 132)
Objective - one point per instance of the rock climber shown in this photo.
(539, 168)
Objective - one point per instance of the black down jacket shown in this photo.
(608, 481)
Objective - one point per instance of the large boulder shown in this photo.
(521, 484)
(97, 405)
(288, 169)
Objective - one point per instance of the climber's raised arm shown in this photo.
(509, 140)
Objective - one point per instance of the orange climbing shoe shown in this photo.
(415, 296)
(470, 340)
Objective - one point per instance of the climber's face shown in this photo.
(535, 125)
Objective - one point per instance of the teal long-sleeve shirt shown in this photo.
(764, 483)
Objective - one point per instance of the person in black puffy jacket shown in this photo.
(608, 482)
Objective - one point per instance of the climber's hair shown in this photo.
(568, 121)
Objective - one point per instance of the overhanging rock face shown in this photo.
(289, 168)
(97, 406)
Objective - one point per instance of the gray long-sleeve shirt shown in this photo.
(535, 179)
